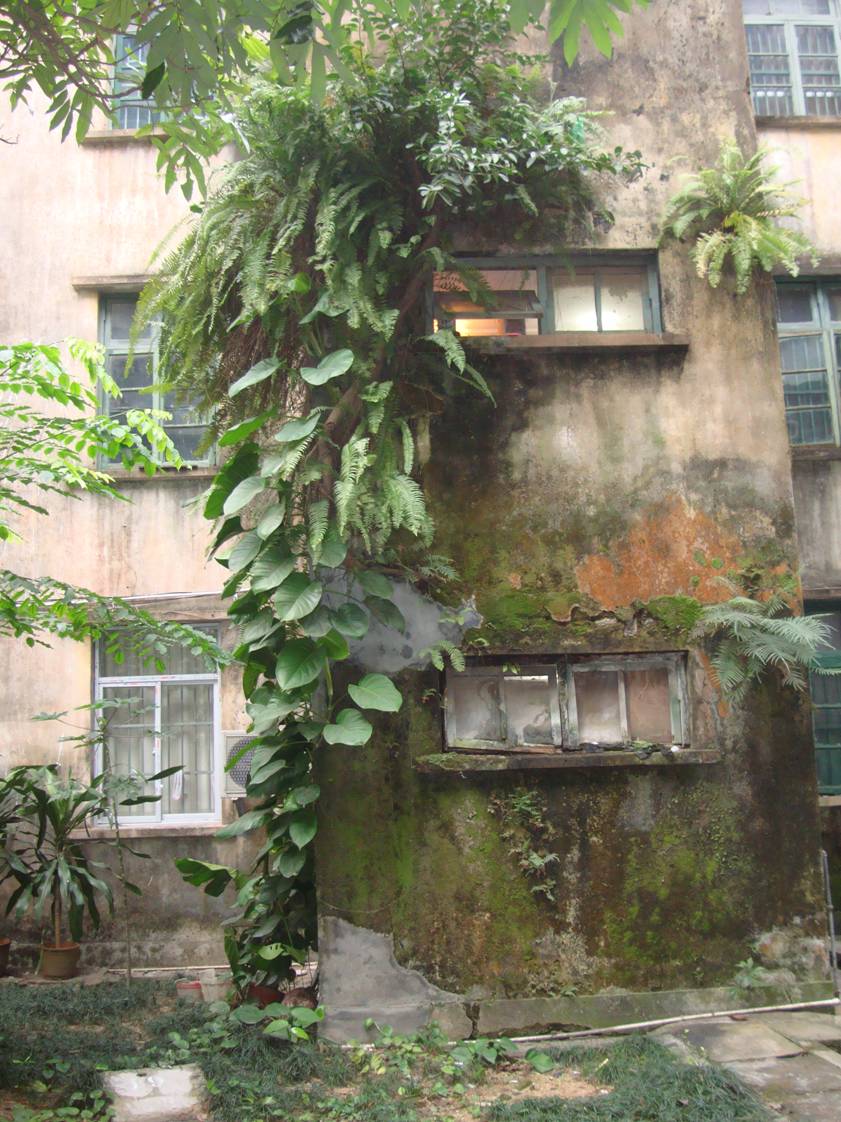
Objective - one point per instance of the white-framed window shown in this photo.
(809, 329)
(546, 295)
(132, 111)
(137, 380)
(598, 702)
(164, 720)
(793, 53)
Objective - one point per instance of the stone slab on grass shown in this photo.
(174, 1094)
(804, 1028)
(823, 1106)
(725, 1040)
(781, 1078)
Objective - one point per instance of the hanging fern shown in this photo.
(749, 637)
(733, 212)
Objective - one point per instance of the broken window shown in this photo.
(160, 720)
(133, 369)
(568, 704)
(809, 328)
(547, 295)
(793, 52)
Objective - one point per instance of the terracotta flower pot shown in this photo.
(59, 962)
(188, 991)
(5, 945)
(263, 995)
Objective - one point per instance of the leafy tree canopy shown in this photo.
(199, 55)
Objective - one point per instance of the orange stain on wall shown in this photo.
(669, 546)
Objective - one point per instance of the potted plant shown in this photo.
(47, 860)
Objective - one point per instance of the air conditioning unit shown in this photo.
(237, 777)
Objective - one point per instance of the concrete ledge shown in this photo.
(541, 1014)
(582, 341)
(798, 122)
(462, 763)
(121, 136)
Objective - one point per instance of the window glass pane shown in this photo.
(476, 706)
(806, 390)
(131, 740)
(648, 700)
(756, 7)
(623, 296)
(137, 373)
(770, 73)
(177, 659)
(133, 111)
(795, 303)
(819, 70)
(833, 296)
(575, 301)
(510, 306)
(187, 741)
(189, 441)
(119, 313)
(832, 620)
(597, 703)
(527, 709)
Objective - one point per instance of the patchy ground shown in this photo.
(57, 1041)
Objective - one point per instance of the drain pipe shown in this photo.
(830, 922)
(638, 1026)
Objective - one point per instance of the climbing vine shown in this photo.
(297, 306)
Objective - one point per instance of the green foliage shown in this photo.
(43, 853)
(55, 453)
(297, 304)
(199, 56)
(732, 212)
(749, 637)
(527, 831)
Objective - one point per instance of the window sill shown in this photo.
(815, 452)
(798, 122)
(829, 801)
(164, 830)
(582, 342)
(120, 136)
(163, 475)
(462, 763)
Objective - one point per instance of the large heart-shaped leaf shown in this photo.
(375, 691)
(297, 597)
(271, 519)
(351, 620)
(251, 820)
(267, 715)
(350, 727)
(333, 550)
(244, 429)
(290, 864)
(243, 493)
(386, 612)
(271, 568)
(331, 366)
(256, 374)
(240, 466)
(375, 584)
(317, 623)
(299, 428)
(244, 552)
(334, 645)
(303, 827)
(299, 663)
(259, 627)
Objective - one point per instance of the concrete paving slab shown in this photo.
(157, 1094)
(726, 1040)
(781, 1078)
(824, 1106)
(804, 1028)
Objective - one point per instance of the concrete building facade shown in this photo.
(578, 829)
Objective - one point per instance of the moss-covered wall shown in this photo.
(594, 506)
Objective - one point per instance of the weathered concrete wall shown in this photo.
(599, 490)
(70, 212)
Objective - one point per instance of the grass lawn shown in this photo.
(56, 1040)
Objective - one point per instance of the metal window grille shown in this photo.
(163, 720)
(809, 327)
(548, 707)
(543, 295)
(826, 708)
(132, 111)
(793, 55)
(134, 371)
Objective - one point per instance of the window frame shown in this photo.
(138, 103)
(154, 816)
(110, 405)
(563, 712)
(542, 265)
(827, 329)
(789, 24)
(830, 659)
